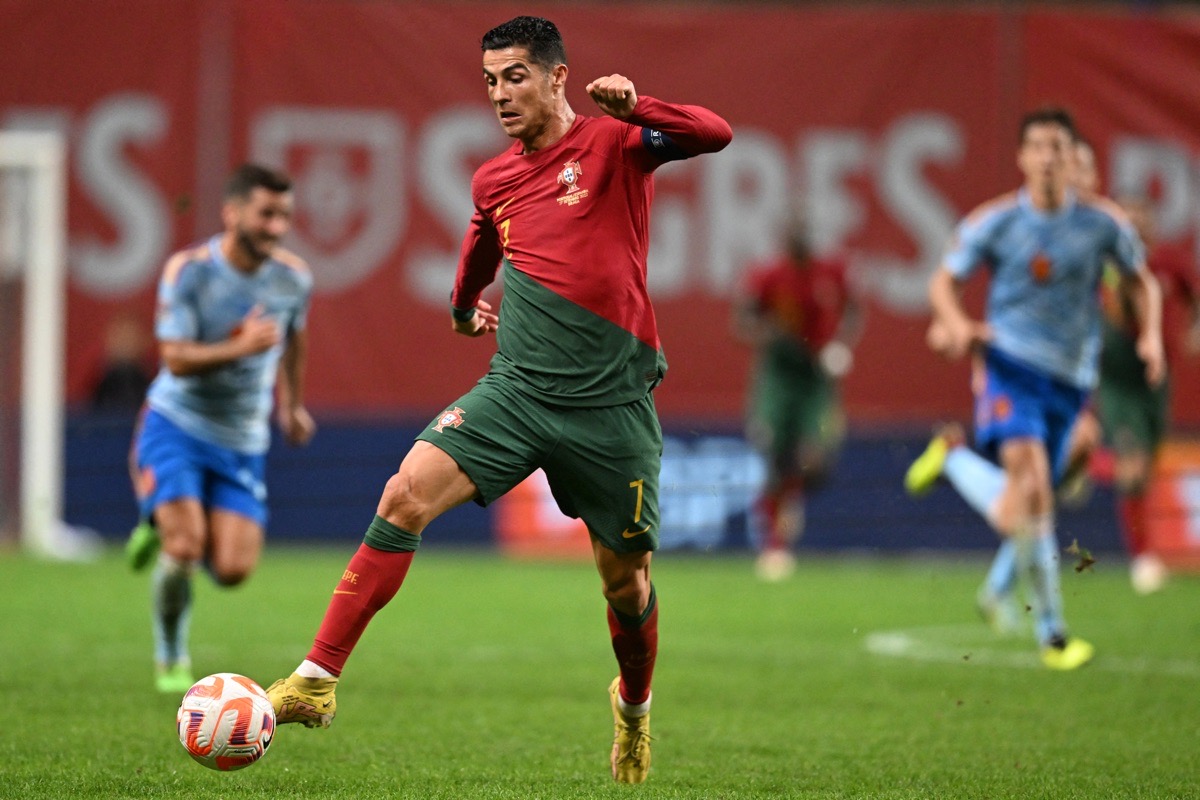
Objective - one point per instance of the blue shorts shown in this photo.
(1020, 401)
(172, 464)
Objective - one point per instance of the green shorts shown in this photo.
(602, 464)
(793, 407)
(1133, 414)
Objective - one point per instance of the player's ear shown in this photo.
(558, 77)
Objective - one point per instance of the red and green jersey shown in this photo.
(807, 301)
(1177, 276)
(571, 225)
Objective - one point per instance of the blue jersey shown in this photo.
(203, 298)
(1043, 303)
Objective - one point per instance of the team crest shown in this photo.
(452, 417)
(1039, 267)
(569, 177)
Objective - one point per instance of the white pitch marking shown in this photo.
(964, 644)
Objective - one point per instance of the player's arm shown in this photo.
(751, 323)
(1143, 290)
(688, 130)
(478, 259)
(296, 423)
(837, 356)
(257, 333)
(959, 333)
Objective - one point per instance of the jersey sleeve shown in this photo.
(968, 248)
(669, 132)
(478, 259)
(1127, 252)
(176, 317)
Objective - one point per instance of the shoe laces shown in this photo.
(639, 740)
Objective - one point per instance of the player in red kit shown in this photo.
(802, 318)
(565, 211)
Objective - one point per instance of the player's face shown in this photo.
(1083, 168)
(523, 94)
(259, 221)
(1045, 157)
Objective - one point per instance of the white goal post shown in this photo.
(40, 157)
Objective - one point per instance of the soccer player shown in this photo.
(565, 211)
(1133, 412)
(801, 317)
(1045, 247)
(231, 330)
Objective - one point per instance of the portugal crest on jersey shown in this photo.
(569, 177)
(452, 417)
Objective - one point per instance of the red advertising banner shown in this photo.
(887, 124)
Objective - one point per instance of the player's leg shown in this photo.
(633, 625)
(235, 544)
(428, 483)
(478, 449)
(169, 473)
(237, 516)
(773, 428)
(605, 470)
(182, 527)
(1135, 422)
(143, 542)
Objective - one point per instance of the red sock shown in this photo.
(371, 579)
(635, 643)
(1132, 509)
(769, 507)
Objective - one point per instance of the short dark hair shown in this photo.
(1048, 115)
(249, 177)
(537, 35)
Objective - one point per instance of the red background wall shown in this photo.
(889, 123)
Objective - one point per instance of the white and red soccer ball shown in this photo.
(225, 721)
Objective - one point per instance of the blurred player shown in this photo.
(231, 318)
(996, 600)
(800, 315)
(1135, 413)
(565, 210)
(1045, 247)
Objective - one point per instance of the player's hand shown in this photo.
(484, 321)
(297, 425)
(836, 359)
(614, 94)
(257, 332)
(1150, 350)
(953, 339)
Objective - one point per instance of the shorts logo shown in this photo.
(452, 417)
(569, 177)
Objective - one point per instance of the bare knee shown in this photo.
(400, 504)
(628, 593)
(230, 575)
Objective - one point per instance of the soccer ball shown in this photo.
(225, 721)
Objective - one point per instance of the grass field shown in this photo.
(486, 678)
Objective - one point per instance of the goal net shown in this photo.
(32, 325)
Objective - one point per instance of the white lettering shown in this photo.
(135, 205)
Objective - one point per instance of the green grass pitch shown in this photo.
(486, 678)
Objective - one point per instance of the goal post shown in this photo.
(33, 186)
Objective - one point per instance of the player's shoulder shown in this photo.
(185, 261)
(993, 210)
(294, 264)
(1103, 207)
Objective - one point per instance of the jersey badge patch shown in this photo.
(569, 177)
(452, 417)
(1039, 267)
